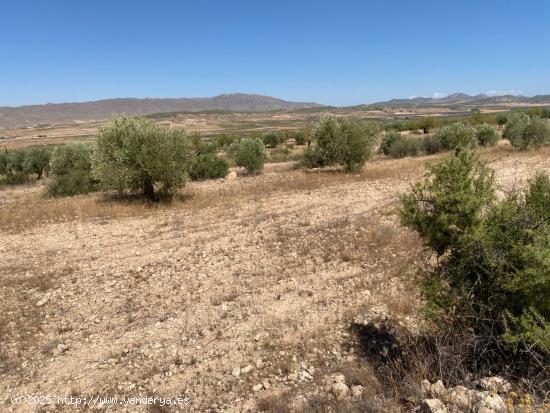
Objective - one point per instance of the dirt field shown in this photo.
(209, 124)
(238, 294)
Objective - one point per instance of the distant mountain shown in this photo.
(103, 109)
(464, 98)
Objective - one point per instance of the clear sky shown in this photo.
(331, 52)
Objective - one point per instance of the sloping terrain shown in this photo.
(242, 290)
(102, 109)
(464, 98)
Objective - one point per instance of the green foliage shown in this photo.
(68, 158)
(457, 135)
(74, 183)
(248, 153)
(501, 119)
(36, 161)
(313, 158)
(397, 125)
(388, 140)
(270, 139)
(449, 201)
(203, 146)
(534, 111)
(225, 140)
(432, 144)
(405, 147)
(208, 166)
(486, 135)
(494, 271)
(16, 166)
(524, 131)
(346, 142)
(327, 135)
(3, 162)
(15, 161)
(426, 124)
(15, 178)
(70, 170)
(135, 154)
(300, 136)
(355, 143)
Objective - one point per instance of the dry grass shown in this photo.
(33, 209)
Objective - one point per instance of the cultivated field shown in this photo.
(238, 295)
(205, 123)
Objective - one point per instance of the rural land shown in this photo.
(244, 253)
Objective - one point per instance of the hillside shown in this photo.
(102, 109)
(465, 99)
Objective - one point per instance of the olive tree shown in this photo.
(486, 135)
(426, 124)
(523, 130)
(248, 153)
(501, 119)
(355, 143)
(71, 170)
(457, 135)
(135, 154)
(344, 141)
(36, 161)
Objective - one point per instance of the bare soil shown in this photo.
(266, 271)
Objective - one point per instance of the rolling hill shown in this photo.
(102, 109)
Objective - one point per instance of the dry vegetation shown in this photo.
(114, 297)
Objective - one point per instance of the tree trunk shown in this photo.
(149, 190)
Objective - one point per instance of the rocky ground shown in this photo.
(236, 298)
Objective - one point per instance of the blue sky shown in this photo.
(338, 53)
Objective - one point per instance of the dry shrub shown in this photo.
(452, 353)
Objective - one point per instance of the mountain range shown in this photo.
(465, 99)
(56, 113)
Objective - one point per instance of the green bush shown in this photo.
(208, 166)
(457, 135)
(524, 131)
(388, 140)
(356, 141)
(486, 135)
(248, 153)
(36, 161)
(432, 144)
(14, 178)
(3, 163)
(501, 119)
(68, 158)
(300, 137)
(70, 170)
(450, 201)
(17, 165)
(345, 142)
(405, 147)
(73, 183)
(494, 266)
(426, 124)
(397, 125)
(203, 146)
(313, 158)
(135, 154)
(225, 140)
(15, 160)
(270, 139)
